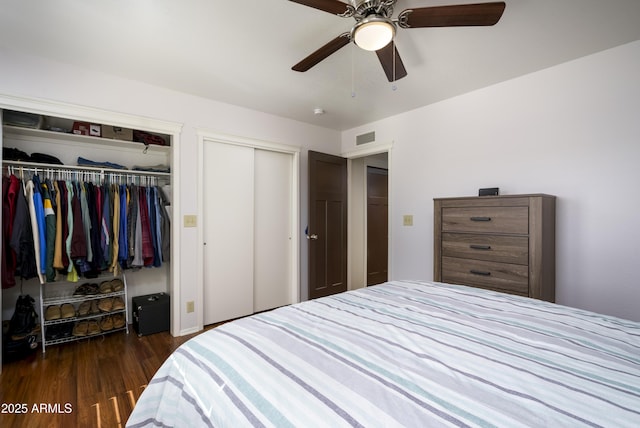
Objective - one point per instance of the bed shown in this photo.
(414, 354)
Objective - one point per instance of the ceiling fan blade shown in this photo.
(462, 15)
(393, 68)
(332, 6)
(322, 53)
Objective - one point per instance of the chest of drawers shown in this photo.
(504, 243)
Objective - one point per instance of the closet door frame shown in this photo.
(212, 137)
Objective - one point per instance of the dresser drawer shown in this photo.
(493, 248)
(505, 277)
(486, 220)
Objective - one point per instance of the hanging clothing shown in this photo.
(64, 203)
(22, 237)
(116, 230)
(9, 198)
(39, 210)
(77, 228)
(138, 260)
(123, 238)
(166, 229)
(132, 219)
(153, 221)
(147, 242)
(8, 280)
(158, 243)
(72, 273)
(86, 221)
(50, 233)
(78, 239)
(57, 246)
(94, 235)
(105, 230)
(35, 229)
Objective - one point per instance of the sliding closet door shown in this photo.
(272, 239)
(228, 231)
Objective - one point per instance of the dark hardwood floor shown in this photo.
(91, 383)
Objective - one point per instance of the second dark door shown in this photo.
(327, 230)
(377, 225)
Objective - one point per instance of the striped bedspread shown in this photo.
(408, 354)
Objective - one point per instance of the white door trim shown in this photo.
(364, 151)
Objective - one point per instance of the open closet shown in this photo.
(109, 178)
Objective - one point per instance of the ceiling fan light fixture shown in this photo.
(373, 33)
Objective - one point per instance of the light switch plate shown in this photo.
(190, 221)
(407, 220)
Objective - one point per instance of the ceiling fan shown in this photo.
(375, 27)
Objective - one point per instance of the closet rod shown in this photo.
(34, 166)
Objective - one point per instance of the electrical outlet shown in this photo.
(190, 221)
(190, 307)
(407, 220)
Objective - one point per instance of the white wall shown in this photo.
(572, 131)
(27, 76)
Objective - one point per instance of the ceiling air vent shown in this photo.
(369, 137)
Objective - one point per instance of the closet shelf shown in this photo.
(59, 300)
(76, 338)
(63, 137)
(82, 318)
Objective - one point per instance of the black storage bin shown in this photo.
(151, 313)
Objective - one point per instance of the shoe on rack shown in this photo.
(92, 289)
(105, 287)
(118, 320)
(106, 305)
(117, 285)
(52, 313)
(80, 329)
(68, 310)
(93, 328)
(95, 310)
(52, 332)
(84, 308)
(65, 330)
(81, 290)
(106, 323)
(118, 304)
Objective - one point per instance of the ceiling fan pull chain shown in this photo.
(353, 73)
(393, 52)
(393, 58)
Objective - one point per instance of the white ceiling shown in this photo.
(241, 51)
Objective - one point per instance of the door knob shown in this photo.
(313, 236)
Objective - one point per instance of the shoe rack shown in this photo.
(88, 308)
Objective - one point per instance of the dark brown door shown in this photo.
(377, 225)
(327, 230)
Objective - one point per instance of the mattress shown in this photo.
(414, 354)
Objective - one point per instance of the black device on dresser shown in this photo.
(151, 313)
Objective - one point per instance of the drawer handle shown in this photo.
(480, 272)
(480, 247)
(480, 218)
